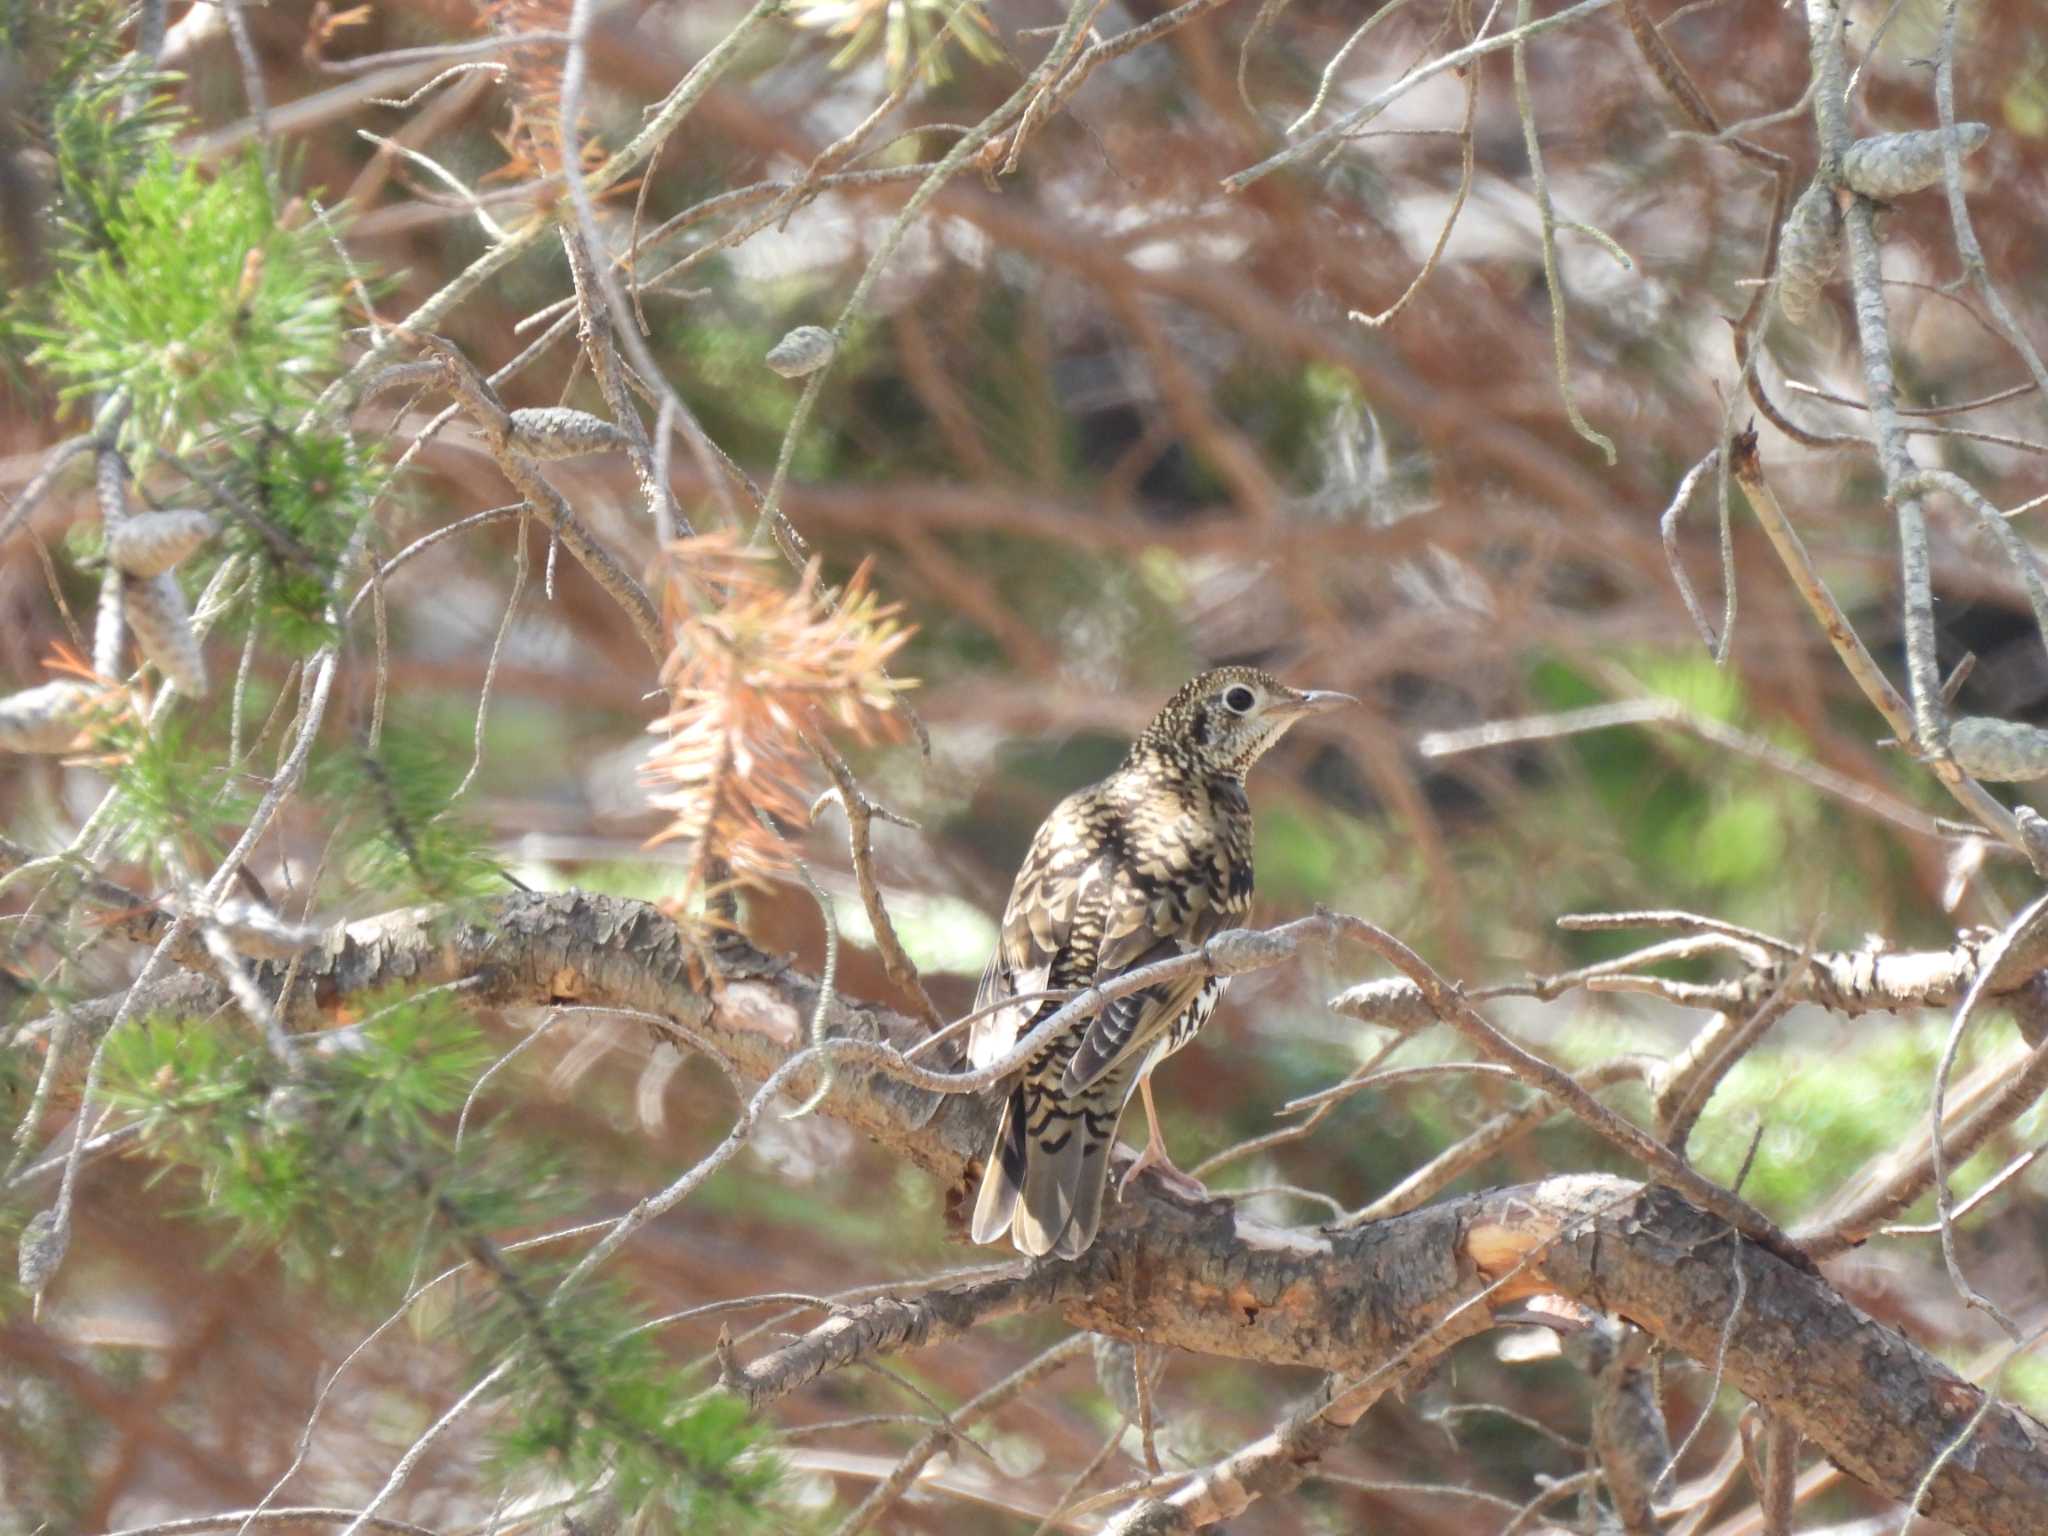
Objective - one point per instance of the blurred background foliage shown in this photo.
(1101, 425)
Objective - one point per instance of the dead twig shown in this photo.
(860, 813)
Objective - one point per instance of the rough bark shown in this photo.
(1361, 1304)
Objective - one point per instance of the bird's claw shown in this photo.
(1161, 1168)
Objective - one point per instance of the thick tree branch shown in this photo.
(1199, 1277)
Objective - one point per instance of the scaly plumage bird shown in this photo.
(1144, 865)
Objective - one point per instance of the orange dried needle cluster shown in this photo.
(533, 139)
(757, 666)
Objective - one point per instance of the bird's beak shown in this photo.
(1320, 701)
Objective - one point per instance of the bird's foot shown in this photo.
(1154, 1160)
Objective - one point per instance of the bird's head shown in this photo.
(1223, 721)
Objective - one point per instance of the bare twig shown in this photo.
(1668, 712)
(497, 651)
(594, 324)
(1967, 245)
(1253, 1145)
(290, 1515)
(1690, 922)
(2016, 550)
(1337, 1093)
(490, 226)
(1057, 91)
(1960, 408)
(1438, 1174)
(1560, 1488)
(494, 425)
(2022, 927)
(403, 1467)
(2002, 1091)
(1452, 1008)
(885, 1494)
(1781, 1473)
(1667, 525)
(1337, 61)
(860, 813)
(1348, 125)
(963, 149)
(1554, 282)
(1081, 1478)
(1688, 1082)
(1984, 1192)
(1930, 731)
(1467, 155)
(33, 493)
(828, 976)
(1747, 467)
(660, 124)
(252, 79)
(427, 541)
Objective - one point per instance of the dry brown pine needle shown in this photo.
(754, 666)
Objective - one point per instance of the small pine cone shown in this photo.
(1236, 950)
(1395, 1003)
(1809, 250)
(1893, 164)
(150, 543)
(1998, 749)
(45, 719)
(163, 628)
(557, 432)
(803, 351)
(40, 1253)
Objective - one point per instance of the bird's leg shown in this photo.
(1154, 1156)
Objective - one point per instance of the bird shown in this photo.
(1142, 866)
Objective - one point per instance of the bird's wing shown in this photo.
(1160, 910)
(1063, 868)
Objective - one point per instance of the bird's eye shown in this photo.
(1240, 699)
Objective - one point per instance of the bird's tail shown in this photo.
(1045, 1186)
(1001, 1180)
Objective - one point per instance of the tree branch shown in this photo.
(1198, 1276)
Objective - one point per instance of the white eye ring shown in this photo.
(1240, 699)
